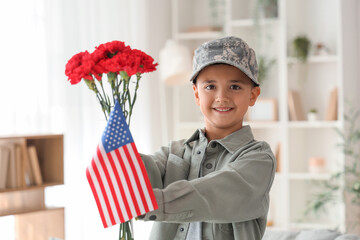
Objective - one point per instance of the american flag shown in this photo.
(117, 175)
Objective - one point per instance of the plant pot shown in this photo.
(311, 116)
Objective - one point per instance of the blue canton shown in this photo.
(117, 133)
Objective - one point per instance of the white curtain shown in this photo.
(38, 37)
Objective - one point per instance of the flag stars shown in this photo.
(116, 133)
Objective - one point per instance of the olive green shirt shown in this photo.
(223, 183)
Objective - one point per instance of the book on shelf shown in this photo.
(28, 174)
(296, 110)
(4, 163)
(35, 165)
(331, 113)
(19, 166)
(11, 176)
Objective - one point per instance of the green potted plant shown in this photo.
(312, 114)
(264, 65)
(302, 46)
(343, 185)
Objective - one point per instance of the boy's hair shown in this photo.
(228, 50)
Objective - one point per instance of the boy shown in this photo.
(215, 185)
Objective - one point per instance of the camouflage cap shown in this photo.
(229, 50)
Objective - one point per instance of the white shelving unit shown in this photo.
(320, 21)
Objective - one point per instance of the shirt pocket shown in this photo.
(176, 169)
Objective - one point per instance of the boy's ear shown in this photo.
(255, 92)
(196, 94)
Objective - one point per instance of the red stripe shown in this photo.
(111, 186)
(137, 180)
(92, 186)
(122, 192)
(103, 191)
(146, 177)
(128, 182)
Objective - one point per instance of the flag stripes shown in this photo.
(120, 185)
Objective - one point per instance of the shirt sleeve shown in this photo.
(156, 166)
(239, 192)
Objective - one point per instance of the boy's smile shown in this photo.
(224, 94)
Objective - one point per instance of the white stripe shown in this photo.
(142, 180)
(115, 185)
(106, 185)
(100, 196)
(124, 184)
(133, 182)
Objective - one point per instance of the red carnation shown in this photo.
(78, 67)
(104, 54)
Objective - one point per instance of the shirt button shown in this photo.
(181, 229)
(213, 144)
(209, 166)
(152, 217)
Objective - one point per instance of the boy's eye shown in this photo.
(235, 87)
(209, 87)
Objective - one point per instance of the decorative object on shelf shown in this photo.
(264, 65)
(264, 110)
(296, 111)
(331, 113)
(119, 62)
(312, 114)
(217, 16)
(332, 189)
(316, 165)
(266, 9)
(321, 49)
(278, 157)
(302, 47)
(175, 63)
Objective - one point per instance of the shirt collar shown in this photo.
(231, 142)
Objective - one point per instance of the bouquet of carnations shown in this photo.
(119, 63)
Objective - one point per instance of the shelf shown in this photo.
(46, 223)
(250, 22)
(309, 176)
(314, 124)
(27, 188)
(33, 163)
(199, 35)
(39, 210)
(315, 59)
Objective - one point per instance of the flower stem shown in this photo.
(131, 103)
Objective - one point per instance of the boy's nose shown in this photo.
(221, 99)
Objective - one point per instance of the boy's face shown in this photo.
(224, 94)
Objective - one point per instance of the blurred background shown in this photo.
(308, 53)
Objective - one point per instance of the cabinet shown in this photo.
(25, 199)
(295, 142)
